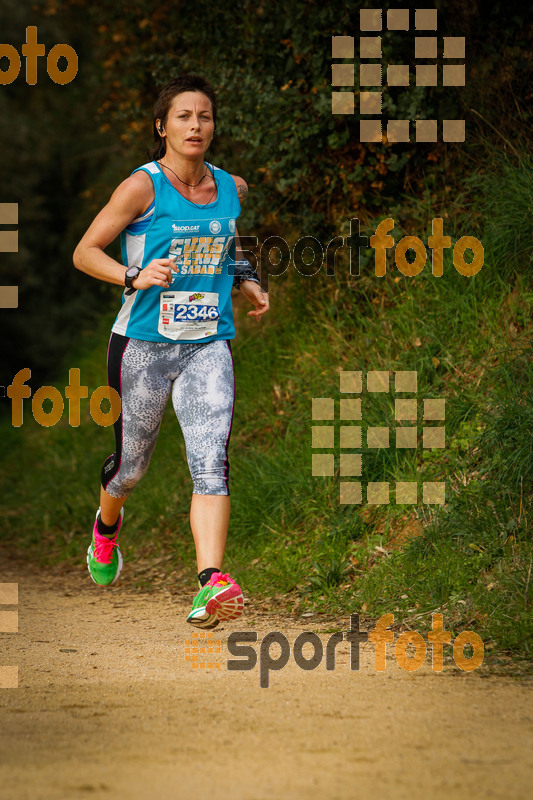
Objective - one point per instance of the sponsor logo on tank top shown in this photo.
(185, 228)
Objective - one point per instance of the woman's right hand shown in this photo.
(157, 273)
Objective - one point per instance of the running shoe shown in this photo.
(218, 601)
(104, 559)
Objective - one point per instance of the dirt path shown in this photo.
(108, 707)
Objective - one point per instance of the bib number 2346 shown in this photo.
(188, 315)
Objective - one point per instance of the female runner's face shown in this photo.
(189, 126)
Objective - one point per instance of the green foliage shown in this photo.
(67, 147)
(330, 574)
(468, 338)
(53, 160)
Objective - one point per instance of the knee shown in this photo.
(122, 483)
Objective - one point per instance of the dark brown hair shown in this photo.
(183, 83)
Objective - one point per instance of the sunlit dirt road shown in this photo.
(109, 705)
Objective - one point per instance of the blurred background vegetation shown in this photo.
(63, 151)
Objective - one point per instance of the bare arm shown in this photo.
(242, 187)
(242, 272)
(127, 202)
(246, 276)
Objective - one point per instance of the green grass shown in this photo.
(469, 339)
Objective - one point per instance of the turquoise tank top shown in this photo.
(197, 305)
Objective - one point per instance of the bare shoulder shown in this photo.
(242, 187)
(135, 192)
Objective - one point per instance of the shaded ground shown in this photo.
(108, 706)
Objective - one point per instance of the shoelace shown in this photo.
(218, 577)
(103, 548)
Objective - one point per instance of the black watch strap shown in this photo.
(131, 274)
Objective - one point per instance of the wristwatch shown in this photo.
(131, 274)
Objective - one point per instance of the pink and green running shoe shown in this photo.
(104, 559)
(219, 600)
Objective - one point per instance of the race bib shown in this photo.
(188, 315)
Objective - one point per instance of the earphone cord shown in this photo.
(202, 205)
(192, 185)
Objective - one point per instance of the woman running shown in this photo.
(176, 217)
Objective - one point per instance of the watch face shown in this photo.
(132, 272)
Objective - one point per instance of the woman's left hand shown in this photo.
(252, 291)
